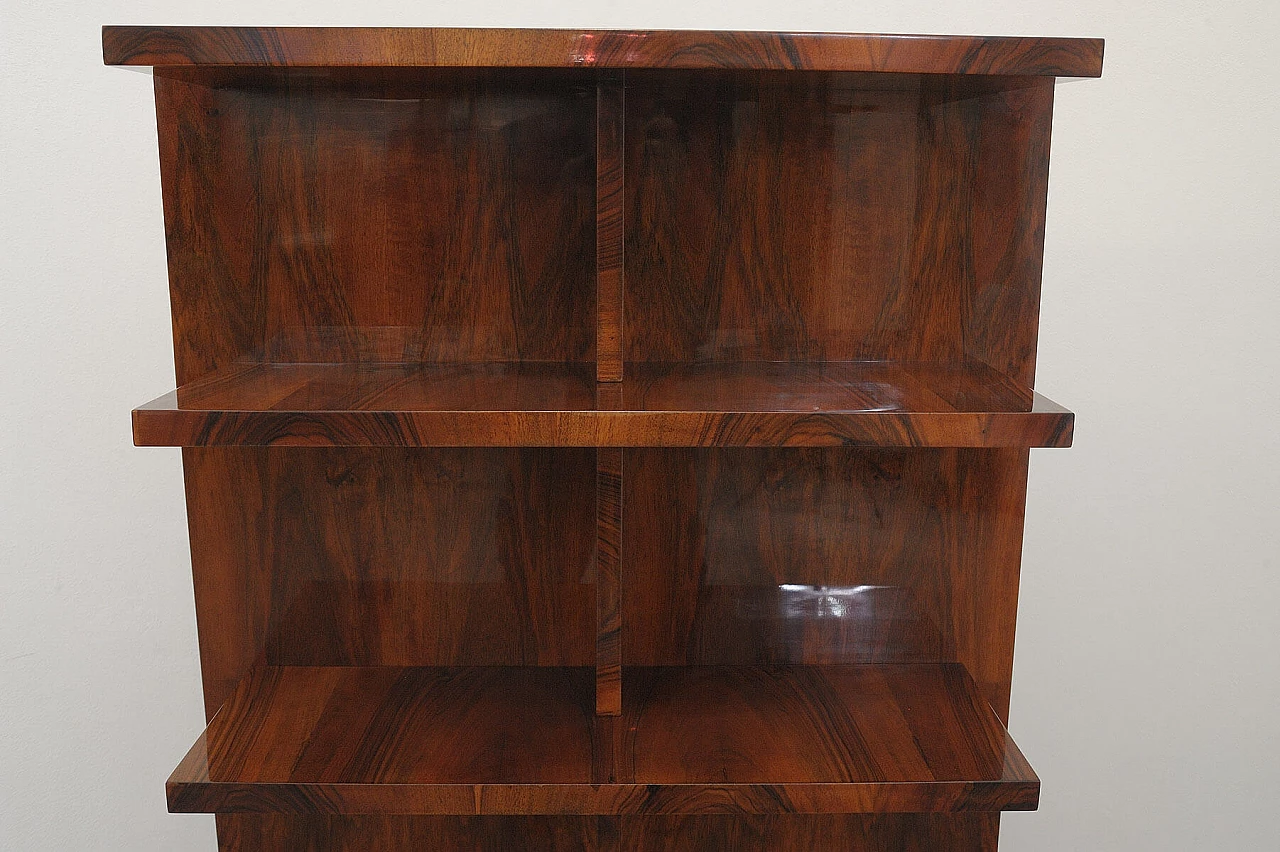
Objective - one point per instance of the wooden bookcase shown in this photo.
(603, 440)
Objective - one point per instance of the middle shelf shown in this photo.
(699, 739)
(854, 403)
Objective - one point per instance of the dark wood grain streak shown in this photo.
(610, 158)
(867, 404)
(609, 581)
(302, 46)
(884, 739)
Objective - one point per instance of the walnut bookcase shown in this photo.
(603, 440)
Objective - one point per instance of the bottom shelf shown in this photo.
(700, 739)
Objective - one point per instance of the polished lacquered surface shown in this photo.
(284, 46)
(372, 557)
(631, 457)
(963, 832)
(520, 740)
(610, 233)
(834, 217)
(608, 576)
(741, 556)
(813, 404)
(342, 216)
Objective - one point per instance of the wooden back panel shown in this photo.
(322, 215)
(342, 557)
(809, 216)
(746, 556)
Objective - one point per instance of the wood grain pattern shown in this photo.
(610, 158)
(693, 740)
(766, 556)
(834, 217)
(803, 833)
(703, 833)
(365, 833)
(302, 46)
(609, 535)
(1001, 316)
(330, 217)
(428, 284)
(229, 514)
(390, 557)
(863, 404)
(217, 292)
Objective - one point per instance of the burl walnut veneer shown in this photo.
(602, 440)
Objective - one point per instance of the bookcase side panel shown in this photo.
(213, 222)
(229, 520)
(1001, 314)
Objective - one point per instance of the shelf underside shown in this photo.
(878, 404)
(703, 739)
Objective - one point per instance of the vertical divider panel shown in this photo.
(610, 155)
(609, 462)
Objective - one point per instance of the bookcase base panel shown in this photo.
(705, 833)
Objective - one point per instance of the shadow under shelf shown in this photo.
(721, 404)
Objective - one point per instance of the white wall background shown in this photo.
(1147, 687)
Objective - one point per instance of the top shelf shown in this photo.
(541, 48)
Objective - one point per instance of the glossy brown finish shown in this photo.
(766, 556)
(300, 46)
(970, 832)
(834, 217)
(692, 740)
(803, 833)
(735, 404)
(610, 157)
(609, 514)
(494, 378)
(390, 557)
(229, 514)
(366, 833)
(415, 216)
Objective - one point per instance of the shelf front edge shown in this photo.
(199, 795)
(547, 48)
(162, 424)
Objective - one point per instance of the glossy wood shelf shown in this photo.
(531, 48)
(732, 404)
(466, 323)
(701, 739)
